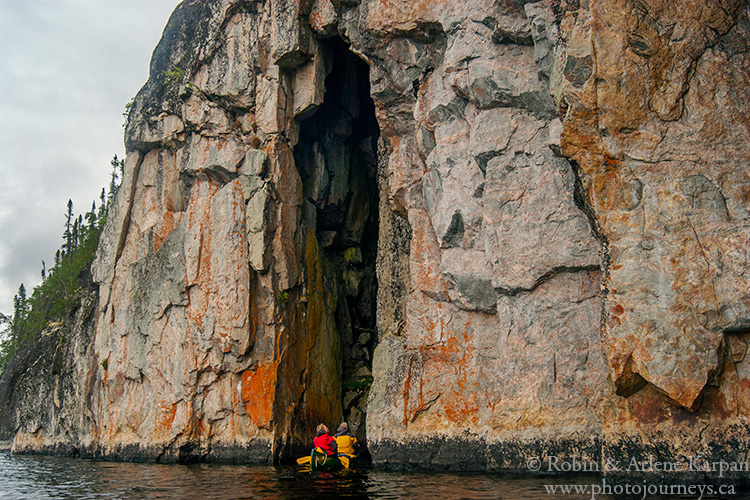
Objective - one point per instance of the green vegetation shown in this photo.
(128, 108)
(59, 294)
(357, 384)
(172, 76)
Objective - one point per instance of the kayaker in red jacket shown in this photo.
(324, 440)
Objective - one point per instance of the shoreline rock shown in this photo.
(528, 223)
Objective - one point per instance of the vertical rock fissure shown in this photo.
(582, 201)
(337, 159)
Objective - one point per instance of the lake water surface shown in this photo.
(36, 477)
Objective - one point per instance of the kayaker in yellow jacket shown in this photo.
(345, 440)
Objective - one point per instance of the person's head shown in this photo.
(321, 428)
(344, 426)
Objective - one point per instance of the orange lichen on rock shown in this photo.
(425, 256)
(164, 418)
(164, 228)
(442, 377)
(258, 386)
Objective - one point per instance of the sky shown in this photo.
(67, 69)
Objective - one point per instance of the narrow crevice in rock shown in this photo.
(513, 292)
(337, 158)
(126, 221)
(581, 199)
(393, 269)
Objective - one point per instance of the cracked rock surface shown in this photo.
(500, 230)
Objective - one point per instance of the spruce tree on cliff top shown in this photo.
(59, 294)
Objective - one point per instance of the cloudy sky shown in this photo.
(67, 69)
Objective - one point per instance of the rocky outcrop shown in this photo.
(237, 285)
(480, 232)
(659, 134)
(45, 390)
(500, 344)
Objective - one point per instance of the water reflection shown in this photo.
(40, 478)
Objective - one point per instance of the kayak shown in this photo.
(320, 460)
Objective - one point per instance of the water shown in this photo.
(41, 478)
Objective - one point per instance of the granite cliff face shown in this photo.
(480, 232)
(660, 138)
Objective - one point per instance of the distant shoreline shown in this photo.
(5, 445)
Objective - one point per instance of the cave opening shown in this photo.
(336, 155)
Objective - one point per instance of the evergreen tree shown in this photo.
(75, 237)
(117, 170)
(6, 322)
(81, 231)
(102, 206)
(68, 234)
(60, 292)
(91, 218)
(20, 310)
(7, 347)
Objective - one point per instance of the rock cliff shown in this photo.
(44, 389)
(479, 231)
